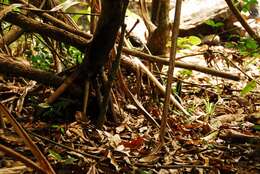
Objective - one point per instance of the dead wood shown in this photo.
(55, 21)
(181, 65)
(31, 25)
(9, 66)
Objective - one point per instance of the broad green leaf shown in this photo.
(210, 22)
(214, 24)
(248, 88)
(194, 40)
(219, 24)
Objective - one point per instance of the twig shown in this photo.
(135, 100)
(16, 155)
(172, 166)
(65, 147)
(164, 61)
(28, 141)
(175, 32)
(67, 83)
(57, 22)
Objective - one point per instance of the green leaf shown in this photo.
(210, 22)
(256, 127)
(194, 40)
(55, 155)
(185, 73)
(44, 105)
(251, 44)
(70, 160)
(229, 45)
(248, 88)
(214, 24)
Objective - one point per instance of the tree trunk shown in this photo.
(112, 17)
(160, 16)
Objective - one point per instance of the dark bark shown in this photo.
(112, 17)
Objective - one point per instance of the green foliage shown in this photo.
(256, 127)
(40, 56)
(247, 4)
(56, 156)
(42, 60)
(214, 24)
(248, 47)
(186, 42)
(209, 107)
(6, 1)
(186, 73)
(87, 10)
(75, 54)
(61, 128)
(248, 88)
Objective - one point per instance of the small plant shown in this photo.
(248, 88)
(56, 156)
(42, 60)
(40, 56)
(76, 55)
(186, 42)
(185, 73)
(209, 107)
(247, 4)
(248, 47)
(58, 127)
(214, 24)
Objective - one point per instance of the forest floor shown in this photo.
(221, 134)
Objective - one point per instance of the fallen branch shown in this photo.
(44, 163)
(136, 63)
(9, 66)
(31, 25)
(164, 61)
(10, 152)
